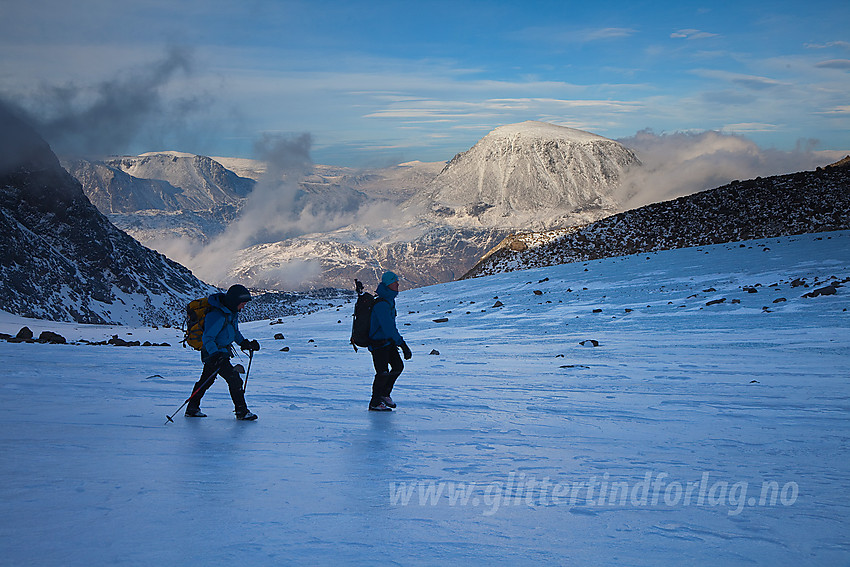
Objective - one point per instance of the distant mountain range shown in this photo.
(164, 195)
(526, 195)
(430, 222)
(805, 202)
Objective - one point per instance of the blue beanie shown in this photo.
(389, 278)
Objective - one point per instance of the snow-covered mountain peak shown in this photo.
(532, 174)
(534, 129)
(168, 153)
(169, 181)
(179, 169)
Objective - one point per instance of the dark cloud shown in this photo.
(94, 120)
(284, 154)
(19, 144)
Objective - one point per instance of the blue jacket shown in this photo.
(383, 331)
(221, 328)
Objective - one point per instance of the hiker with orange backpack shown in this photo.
(221, 330)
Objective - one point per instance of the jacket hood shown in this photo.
(385, 292)
(217, 300)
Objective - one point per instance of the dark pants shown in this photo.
(223, 368)
(388, 366)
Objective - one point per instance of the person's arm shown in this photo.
(213, 324)
(383, 311)
(239, 338)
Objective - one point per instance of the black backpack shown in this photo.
(362, 317)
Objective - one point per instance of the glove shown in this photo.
(406, 351)
(249, 345)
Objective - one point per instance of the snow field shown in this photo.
(692, 434)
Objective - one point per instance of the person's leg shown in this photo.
(396, 368)
(381, 361)
(208, 376)
(234, 383)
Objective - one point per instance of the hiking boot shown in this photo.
(191, 412)
(380, 406)
(246, 415)
(388, 401)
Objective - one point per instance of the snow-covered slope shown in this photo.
(166, 181)
(394, 183)
(532, 175)
(422, 254)
(112, 190)
(693, 434)
(163, 197)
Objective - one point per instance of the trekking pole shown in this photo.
(198, 389)
(247, 372)
(168, 417)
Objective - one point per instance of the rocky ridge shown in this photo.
(61, 259)
(804, 202)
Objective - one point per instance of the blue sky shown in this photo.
(383, 82)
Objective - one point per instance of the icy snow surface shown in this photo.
(514, 445)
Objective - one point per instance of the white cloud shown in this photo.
(837, 111)
(691, 34)
(683, 163)
(829, 44)
(843, 64)
(571, 35)
(606, 33)
(500, 107)
(753, 82)
(742, 127)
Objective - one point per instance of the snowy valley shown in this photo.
(659, 408)
(679, 407)
(608, 242)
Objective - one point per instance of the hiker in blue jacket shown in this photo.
(386, 341)
(221, 330)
